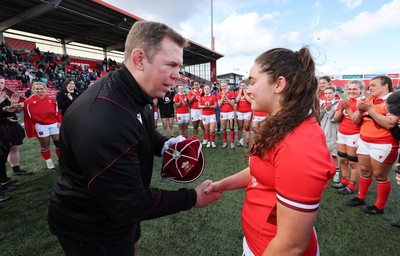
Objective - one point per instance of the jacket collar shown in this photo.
(132, 88)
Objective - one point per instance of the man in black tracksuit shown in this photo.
(107, 144)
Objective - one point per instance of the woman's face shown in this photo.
(40, 90)
(322, 84)
(262, 91)
(377, 89)
(329, 94)
(70, 86)
(353, 91)
(181, 89)
(223, 87)
(207, 89)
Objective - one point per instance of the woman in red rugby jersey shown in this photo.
(283, 184)
(377, 148)
(347, 138)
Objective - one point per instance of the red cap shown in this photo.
(183, 161)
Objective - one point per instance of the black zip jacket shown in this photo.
(63, 101)
(107, 145)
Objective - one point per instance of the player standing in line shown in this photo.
(42, 120)
(195, 112)
(347, 138)
(208, 103)
(167, 112)
(182, 111)
(393, 102)
(328, 124)
(243, 114)
(226, 100)
(323, 82)
(283, 185)
(17, 133)
(155, 102)
(377, 148)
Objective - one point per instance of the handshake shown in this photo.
(207, 194)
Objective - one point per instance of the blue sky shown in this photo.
(345, 36)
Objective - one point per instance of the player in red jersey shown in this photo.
(258, 116)
(243, 114)
(208, 103)
(155, 102)
(195, 112)
(182, 110)
(42, 120)
(377, 148)
(347, 138)
(323, 82)
(226, 101)
(279, 210)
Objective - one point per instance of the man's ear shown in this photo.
(280, 84)
(137, 59)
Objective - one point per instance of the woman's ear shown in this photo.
(280, 84)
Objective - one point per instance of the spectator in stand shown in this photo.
(243, 114)
(226, 101)
(195, 112)
(17, 133)
(287, 174)
(182, 110)
(42, 120)
(28, 92)
(348, 135)
(167, 112)
(67, 95)
(377, 148)
(330, 126)
(207, 104)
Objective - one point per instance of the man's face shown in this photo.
(163, 71)
(2, 84)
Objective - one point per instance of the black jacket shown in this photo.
(63, 101)
(107, 144)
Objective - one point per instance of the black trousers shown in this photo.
(5, 145)
(122, 247)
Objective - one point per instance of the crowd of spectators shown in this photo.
(30, 66)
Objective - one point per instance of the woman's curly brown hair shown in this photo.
(299, 99)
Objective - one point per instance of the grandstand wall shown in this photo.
(49, 44)
(18, 44)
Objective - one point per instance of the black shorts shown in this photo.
(166, 111)
(17, 133)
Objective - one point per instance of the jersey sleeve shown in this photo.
(301, 180)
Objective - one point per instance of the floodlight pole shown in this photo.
(212, 28)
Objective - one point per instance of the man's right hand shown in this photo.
(203, 198)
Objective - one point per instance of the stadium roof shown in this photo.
(93, 23)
